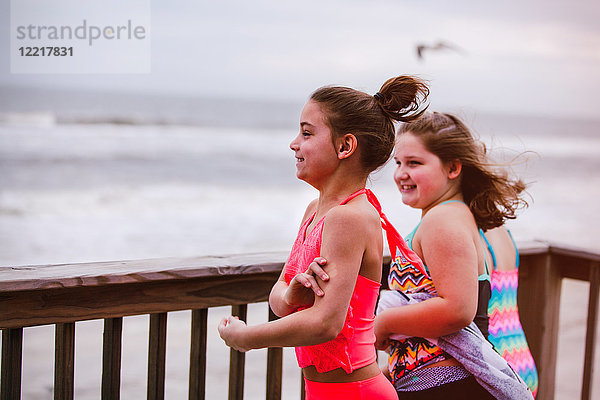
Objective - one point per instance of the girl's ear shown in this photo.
(346, 146)
(454, 169)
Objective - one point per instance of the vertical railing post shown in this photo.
(64, 361)
(197, 388)
(111, 359)
(12, 356)
(157, 350)
(274, 368)
(237, 360)
(590, 336)
(539, 304)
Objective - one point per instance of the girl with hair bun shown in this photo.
(345, 134)
(443, 171)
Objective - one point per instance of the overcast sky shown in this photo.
(527, 56)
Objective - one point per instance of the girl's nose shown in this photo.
(400, 173)
(294, 144)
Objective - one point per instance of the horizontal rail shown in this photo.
(104, 274)
(134, 288)
(67, 293)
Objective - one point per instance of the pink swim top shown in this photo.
(353, 348)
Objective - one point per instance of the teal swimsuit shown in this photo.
(484, 285)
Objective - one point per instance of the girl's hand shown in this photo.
(304, 287)
(382, 344)
(231, 330)
(382, 339)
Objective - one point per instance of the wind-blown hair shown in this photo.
(371, 118)
(492, 195)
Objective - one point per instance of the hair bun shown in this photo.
(402, 98)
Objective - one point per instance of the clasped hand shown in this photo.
(382, 339)
(304, 287)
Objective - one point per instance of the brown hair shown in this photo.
(371, 118)
(491, 194)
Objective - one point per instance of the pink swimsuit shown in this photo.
(353, 348)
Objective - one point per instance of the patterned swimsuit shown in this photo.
(411, 354)
(505, 330)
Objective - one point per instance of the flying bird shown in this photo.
(440, 45)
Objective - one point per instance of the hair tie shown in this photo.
(447, 129)
(378, 96)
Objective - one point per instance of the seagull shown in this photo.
(437, 46)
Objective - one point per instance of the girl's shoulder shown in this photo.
(357, 217)
(446, 228)
(357, 211)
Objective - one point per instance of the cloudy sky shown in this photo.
(526, 57)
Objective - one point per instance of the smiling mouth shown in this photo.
(407, 187)
(298, 159)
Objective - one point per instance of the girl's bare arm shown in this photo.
(325, 319)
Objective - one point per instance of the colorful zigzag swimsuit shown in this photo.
(505, 330)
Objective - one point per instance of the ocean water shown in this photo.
(88, 192)
(75, 188)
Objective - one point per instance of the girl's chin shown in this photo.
(408, 200)
(303, 177)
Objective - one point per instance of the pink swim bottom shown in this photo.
(377, 387)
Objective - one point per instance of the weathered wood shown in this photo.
(43, 277)
(197, 389)
(539, 304)
(12, 356)
(111, 359)
(64, 294)
(573, 252)
(572, 267)
(237, 360)
(64, 362)
(157, 349)
(39, 307)
(533, 248)
(274, 367)
(590, 336)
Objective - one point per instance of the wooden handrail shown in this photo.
(543, 266)
(68, 293)
(37, 295)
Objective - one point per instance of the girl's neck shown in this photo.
(449, 197)
(332, 195)
(348, 178)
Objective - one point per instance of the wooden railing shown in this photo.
(542, 270)
(65, 294)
